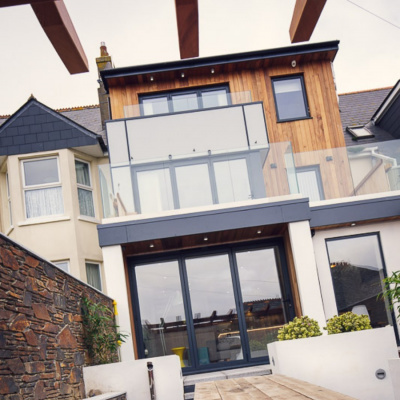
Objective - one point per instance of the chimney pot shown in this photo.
(103, 49)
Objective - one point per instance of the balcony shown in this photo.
(205, 157)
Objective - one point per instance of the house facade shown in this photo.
(50, 190)
(232, 204)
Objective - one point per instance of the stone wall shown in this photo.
(42, 350)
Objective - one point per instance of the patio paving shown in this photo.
(267, 387)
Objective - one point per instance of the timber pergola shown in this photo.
(56, 23)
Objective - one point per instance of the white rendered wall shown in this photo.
(132, 377)
(389, 233)
(114, 272)
(345, 362)
(306, 271)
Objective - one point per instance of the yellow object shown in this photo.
(179, 352)
(115, 307)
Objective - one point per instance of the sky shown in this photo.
(144, 32)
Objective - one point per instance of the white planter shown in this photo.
(345, 362)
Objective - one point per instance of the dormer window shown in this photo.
(42, 187)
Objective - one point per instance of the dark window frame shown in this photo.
(379, 242)
(170, 93)
(303, 90)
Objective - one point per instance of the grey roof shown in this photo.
(357, 108)
(88, 117)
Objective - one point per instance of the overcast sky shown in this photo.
(144, 31)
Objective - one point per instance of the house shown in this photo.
(232, 198)
(50, 198)
(231, 204)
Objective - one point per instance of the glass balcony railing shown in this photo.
(208, 100)
(253, 173)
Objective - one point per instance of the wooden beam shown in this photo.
(57, 24)
(305, 17)
(187, 17)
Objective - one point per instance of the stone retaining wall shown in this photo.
(42, 348)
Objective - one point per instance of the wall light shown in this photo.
(182, 75)
(152, 78)
(212, 70)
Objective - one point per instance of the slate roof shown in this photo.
(357, 108)
(35, 127)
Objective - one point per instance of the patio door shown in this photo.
(212, 309)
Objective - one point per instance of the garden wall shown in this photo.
(42, 350)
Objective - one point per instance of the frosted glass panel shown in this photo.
(117, 144)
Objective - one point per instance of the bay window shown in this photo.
(85, 191)
(42, 187)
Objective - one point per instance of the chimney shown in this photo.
(103, 62)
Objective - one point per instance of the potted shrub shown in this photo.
(347, 322)
(299, 328)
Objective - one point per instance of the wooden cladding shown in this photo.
(321, 131)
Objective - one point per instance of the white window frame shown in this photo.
(99, 269)
(42, 186)
(84, 187)
(57, 263)
(9, 201)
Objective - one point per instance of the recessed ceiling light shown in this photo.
(151, 245)
(205, 238)
(353, 224)
(259, 231)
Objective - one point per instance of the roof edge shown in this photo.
(390, 98)
(220, 59)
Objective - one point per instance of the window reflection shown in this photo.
(214, 310)
(357, 273)
(162, 311)
(262, 298)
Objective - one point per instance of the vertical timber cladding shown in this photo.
(322, 131)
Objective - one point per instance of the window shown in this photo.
(310, 183)
(290, 98)
(93, 275)
(85, 194)
(9, 201)
(193, 183)
(178, 101)
(64, 265)
(357, 270)
(42, 187)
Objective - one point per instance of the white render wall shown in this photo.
(306, 271)
(114, 272)
(389, 233)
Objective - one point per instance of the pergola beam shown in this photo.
(56, 23)
(305, 17)
(187, 17)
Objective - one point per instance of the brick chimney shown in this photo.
(103, 62)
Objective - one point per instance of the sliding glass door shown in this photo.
(211, 308)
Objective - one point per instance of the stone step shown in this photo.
(190, 381)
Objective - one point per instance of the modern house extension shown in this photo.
(231, 204)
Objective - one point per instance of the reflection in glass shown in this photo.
(214, 310)
(161, 310)
(155, 105)
(122, 203)
(289, 97)
(357, 273)
(214, 98)
(155, 190)
(194, 187)
(262, 298)
(232, 180)
(184, 102)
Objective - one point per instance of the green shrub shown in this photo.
(299, 328)
(101, 335)
(347, 322)
(392, 290)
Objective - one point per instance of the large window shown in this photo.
(93, 275)
(85, 193)
(357, 269)
(42, 187)
(184, 184)
(178, 101)
(290, 98)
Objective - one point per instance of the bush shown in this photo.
(299, 328)
(347, 322)
(102, 338)
(392, 290)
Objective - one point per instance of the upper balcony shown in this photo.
(220, 155)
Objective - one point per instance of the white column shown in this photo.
(306, 271)
(117, 289)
